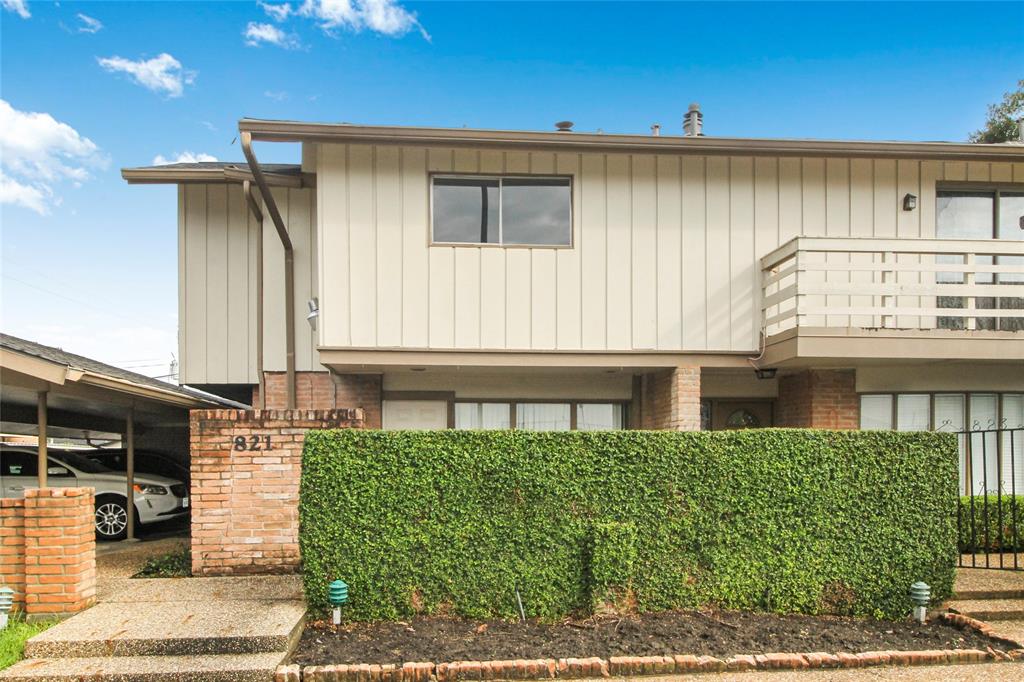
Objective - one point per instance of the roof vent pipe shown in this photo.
(1020, 130)
(564, 126)
(693, 122)
(656, 129)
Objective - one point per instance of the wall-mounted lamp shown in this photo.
(909, 202)
(314, 311)
(765, 373)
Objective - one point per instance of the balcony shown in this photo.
(864, 298)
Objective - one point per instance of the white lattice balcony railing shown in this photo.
(869, 283)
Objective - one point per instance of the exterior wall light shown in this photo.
(337, 594)
(920, 595)
(909, 202)
(6, 604)
(314, 311)
(765, 372)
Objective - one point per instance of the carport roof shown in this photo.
(59, 366)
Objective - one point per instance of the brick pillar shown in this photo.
(246, 466)
(670, 400)
(12, 548)
(60, 550)
(819, 399)
(326, 391)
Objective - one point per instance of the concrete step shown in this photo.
(989, 609)
(1012, 630)
(173, 628)
(224, 668)
(974, 595)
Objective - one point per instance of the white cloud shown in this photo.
(277, 12)
(279, 95)
(19, 7)
(182, 157)
(89, 25)
(162, 73)
(255, 34)
(380, 16)
(39, 152)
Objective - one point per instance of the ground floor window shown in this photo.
(540, 415)
(992, 442)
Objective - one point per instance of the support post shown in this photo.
(41, 423)
(129, 436)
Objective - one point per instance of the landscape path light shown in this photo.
(6, 604)
(337, 594)
(921, 595)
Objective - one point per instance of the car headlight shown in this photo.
(150, 489)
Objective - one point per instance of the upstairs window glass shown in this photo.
(515, 211)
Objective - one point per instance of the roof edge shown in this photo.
(297, 131)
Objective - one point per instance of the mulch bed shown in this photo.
(667, 633)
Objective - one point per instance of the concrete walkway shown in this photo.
(203, 629)
(996, 597)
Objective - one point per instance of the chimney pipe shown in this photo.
(656, 129)
(693, 122)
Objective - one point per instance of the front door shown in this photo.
(741, 414)
(415, 414)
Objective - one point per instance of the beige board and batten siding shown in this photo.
(217, 283)
(664, 257)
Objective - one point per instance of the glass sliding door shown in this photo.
(983, 452)
(964, 215)
(1011, 212)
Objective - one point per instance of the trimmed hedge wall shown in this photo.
(1000, 516)
(777, 520)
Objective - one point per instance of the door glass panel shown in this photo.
(949, 416)
(1013, 444)
(598, 416)
(913, 413)
(964, 215)
(1011, 213)
(982, 453)
(876, 412)
(543, 416)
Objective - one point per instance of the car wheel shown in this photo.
(111, 518)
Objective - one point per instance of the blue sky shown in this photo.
(89, 263)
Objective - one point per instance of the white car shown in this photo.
(157, 498)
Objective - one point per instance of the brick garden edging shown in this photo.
(632, 666)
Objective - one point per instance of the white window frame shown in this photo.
(501, 177)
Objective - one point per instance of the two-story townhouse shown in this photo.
(564, 280)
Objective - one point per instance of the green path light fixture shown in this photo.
(920, 595)
(337, 594)
(6, 604)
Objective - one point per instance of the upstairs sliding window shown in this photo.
(509, 211)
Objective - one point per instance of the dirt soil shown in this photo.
(719, 634)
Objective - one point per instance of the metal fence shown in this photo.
(990, 513)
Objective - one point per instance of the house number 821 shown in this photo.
(252, 443)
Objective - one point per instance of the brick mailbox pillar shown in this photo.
(246, 466)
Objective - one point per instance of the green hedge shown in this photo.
(1000, 517)
(777, 520)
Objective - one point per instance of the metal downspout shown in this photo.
(289, 261)
(254, 207)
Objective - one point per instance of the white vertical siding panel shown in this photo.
(741, 254)
(718, 256)
(694, 248)
(978, 171)
(467, 297)
(837, 224)
(862, 224)
(254, 234)
(790, 199)
(415, 254)
(766, 226)
(388, 194)
(217, 284)
(813, 208)
(518, 296)
(592, 245)
(568, 303)
(644, 243)
(492, 274)
(1018, 172)
(273, 290)
(333, 234)
(669, 245)
(885, 203)
(926, 206)
(543, 299)
(362, 246)
(239, 325)
(908, 226)
(296, 216)
(954, 171)
(441, 320)
(619, 277)
(194, 319)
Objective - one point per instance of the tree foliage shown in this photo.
(1002, 124)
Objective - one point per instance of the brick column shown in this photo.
(12, 548)
(60, 550)
(819, 399)
(246, 466)
(670, 400)
(326, 391)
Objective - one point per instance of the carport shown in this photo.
(46, 392)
